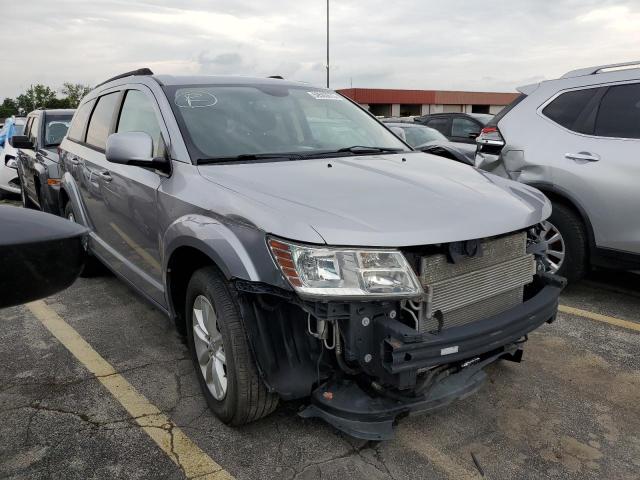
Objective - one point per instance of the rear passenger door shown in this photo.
(129, 194)
(597, 158)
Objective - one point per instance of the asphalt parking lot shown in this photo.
(95, 383)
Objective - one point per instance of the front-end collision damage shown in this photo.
(366, 363)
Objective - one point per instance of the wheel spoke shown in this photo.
(555, 254)
(554, 238)
(220, 356)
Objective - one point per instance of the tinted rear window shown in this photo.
(574, 109)
(619, 113)
(77, 128)
(100, 122)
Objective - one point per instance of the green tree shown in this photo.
(36, 96)
(8, 108)
(74, 92)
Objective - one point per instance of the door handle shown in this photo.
(106, 176)
(585, 156)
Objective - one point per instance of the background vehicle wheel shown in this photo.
(26, 201)
(567, 242)
(220, 351)
(92, 266)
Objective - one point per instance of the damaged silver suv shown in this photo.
(305, 250)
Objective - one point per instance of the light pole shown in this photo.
(327, 43)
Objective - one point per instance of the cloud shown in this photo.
(494, 45)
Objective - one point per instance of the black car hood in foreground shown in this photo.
(379, 200)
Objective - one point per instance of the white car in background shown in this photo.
(9, 182)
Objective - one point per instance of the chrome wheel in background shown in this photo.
(207, 340)
(556, 249)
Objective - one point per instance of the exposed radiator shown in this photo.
(476, 287)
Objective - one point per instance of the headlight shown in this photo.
(347, 272)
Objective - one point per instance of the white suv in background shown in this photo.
(577, 139)
(9, 181)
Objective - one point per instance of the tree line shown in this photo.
(41, 96)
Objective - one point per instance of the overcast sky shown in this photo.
(467, 45)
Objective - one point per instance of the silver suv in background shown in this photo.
(577, 139)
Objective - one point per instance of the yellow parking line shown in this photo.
(178, 447)
(138, 249)
(618, 322)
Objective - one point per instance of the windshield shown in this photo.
(55, 129)
(228, 121)
(417, 135)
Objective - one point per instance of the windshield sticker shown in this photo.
(325, 95)
(195, 99)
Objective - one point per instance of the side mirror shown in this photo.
(134, 148)
(40, 254)
(21, 141)
(130, 148)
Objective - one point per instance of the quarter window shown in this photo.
(574, 110)
(79, 123)
(100, 123)
(138, 115)
(619, 113)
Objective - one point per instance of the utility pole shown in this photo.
(327, 43)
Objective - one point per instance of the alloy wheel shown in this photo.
(556, 249)
(207, 339)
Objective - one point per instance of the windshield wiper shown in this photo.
(365, 149)
(250, 156)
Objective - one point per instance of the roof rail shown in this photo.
(140, 71)
(600, 68)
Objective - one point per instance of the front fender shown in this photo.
(239, 251)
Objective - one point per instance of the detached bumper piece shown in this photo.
(454, 358)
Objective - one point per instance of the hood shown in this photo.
(380, 200)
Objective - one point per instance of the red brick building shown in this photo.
(402, 103)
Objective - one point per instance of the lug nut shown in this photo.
(367, 358)
(392, 314)
(365, 321)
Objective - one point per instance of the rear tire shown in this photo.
(92, 266)
(573, 232)
(244, 397)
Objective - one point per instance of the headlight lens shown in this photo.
(324, 271)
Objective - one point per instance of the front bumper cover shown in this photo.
(351, 406)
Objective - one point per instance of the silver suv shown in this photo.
(577, 139)
(305, 250)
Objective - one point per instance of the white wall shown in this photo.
(395, 109)
(493, 109)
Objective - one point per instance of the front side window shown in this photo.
(619, 113)
(55, 128)
(138, 115)
(79, 122)
(463, 127)
(227, 121)
(34, 130)
(574, 110)
(100, 122)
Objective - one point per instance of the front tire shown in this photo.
(220, 351)
(573, 262)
